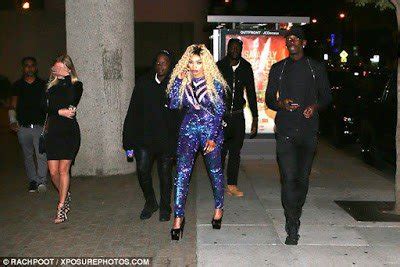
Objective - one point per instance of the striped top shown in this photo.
(196, 91)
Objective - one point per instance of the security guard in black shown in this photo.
(305, 82)
(297, 88)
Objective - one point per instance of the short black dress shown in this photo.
(63, 135)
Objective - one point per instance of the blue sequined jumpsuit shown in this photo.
(202, 122)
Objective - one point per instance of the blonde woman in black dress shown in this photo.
(63, 134)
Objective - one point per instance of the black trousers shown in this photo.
(295, 156)
(234, 135)
(145, 158)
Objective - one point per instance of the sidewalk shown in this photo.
(104, 220)
(253, 227)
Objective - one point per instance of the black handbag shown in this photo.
(42, 138)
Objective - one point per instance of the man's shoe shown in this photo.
(233, 190)
(32, 187)
(292, 240)
(42, 188)
(165, 216)
(292, 230)
(148, 210)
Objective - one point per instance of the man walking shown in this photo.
(302, 87)
(150, 133)
(239, 76)
(27, 118)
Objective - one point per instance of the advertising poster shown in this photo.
(261, 49)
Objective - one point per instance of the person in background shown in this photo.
(27, 117)
(238, 73)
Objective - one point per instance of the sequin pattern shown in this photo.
(199, 125)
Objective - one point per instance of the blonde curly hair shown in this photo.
(211, 71)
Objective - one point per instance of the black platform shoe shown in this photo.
(216, 224)
(178, 233)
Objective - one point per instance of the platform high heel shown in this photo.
(216, 224)
(178, 233)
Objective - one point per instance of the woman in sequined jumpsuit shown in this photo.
(198, 87)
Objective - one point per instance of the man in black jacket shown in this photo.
(150, 130)
(303, 89)
(239, 76)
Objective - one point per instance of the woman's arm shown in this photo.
(49, 106)
(219, 111)
(76, 88)
(173, 95)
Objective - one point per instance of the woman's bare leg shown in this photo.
(64, 179)
(54, 172)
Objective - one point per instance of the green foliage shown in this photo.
(381, 4)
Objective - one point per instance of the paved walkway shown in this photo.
(104, 218)
(253, 231)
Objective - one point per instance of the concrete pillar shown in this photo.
(101, 43)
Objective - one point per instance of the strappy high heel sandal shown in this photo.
(67, 202)
(176, 233)
(61, 215)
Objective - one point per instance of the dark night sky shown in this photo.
(374, 31)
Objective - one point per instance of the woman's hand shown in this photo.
(183, 74)
(309, 111)
(67, 112)
(60, 70)
(210, 145)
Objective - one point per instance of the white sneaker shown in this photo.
(42, 188)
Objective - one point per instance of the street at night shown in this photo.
(199, 133)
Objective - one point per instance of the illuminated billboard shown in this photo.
(261, 49)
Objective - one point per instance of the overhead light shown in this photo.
(26, 5)
(342, 15)
(314, 20)
(375, 59)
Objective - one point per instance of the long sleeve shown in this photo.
(323, 88)
(251, 93)
(77, 89)
(219, 111)
(128, 130)
(174, 102)
(51, 107)
(73, 96)
(272, 89)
